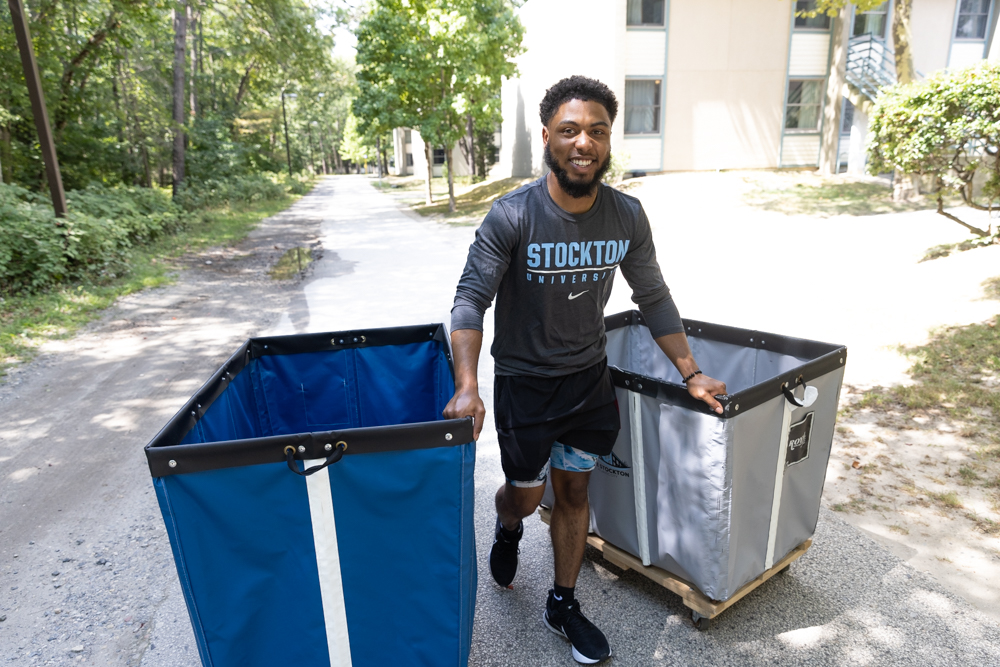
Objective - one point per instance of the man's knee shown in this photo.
(570, 488)
(520, 501)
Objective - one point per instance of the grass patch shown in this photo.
(968, 475)
(902, 530)
(953, 375)
(948, 499)
(808, 194)
(984, 524)
(291, 264)
(939, 251)
(474, 202)
(27, 321)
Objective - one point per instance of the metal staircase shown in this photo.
(871, 64)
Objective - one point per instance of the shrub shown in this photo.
(95, 240)
(948, 128)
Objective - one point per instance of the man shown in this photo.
(549, 253)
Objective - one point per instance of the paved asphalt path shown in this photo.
(86, 574)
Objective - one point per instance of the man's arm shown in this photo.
(702, 387)
(465, 347)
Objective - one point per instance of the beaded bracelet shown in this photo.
(685, 380)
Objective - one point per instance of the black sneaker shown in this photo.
(566, 620)
(503, 556)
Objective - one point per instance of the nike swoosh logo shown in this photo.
(573, 296)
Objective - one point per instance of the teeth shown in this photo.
(581, 163)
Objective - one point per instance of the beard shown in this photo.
(573, 188)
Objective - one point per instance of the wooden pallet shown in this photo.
(702, 608)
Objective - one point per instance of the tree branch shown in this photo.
(975, 230)
(111, 23)
(244, 88)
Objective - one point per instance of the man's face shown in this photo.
(578, 146)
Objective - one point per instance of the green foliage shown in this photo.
(105, 224)
(106, 67)
(946, 127)
(435, 65)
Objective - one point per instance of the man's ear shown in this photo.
(545, 135)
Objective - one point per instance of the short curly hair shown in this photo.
(577, 88)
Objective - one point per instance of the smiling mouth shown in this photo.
(582, 162)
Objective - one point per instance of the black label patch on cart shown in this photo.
(798, 440)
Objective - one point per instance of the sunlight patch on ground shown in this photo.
(808, 637)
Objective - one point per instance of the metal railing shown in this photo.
(871, 64)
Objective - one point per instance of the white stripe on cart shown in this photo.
(331, 585)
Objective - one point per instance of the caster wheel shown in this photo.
(700, 622)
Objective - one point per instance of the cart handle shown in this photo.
(809, 394)
(336, 455)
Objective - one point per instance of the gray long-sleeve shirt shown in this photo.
(551, 272)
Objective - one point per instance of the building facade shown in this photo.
(729, 84)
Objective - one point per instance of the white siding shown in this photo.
(800, 150)
(645, 52)
(644, 153)
(964, 54)
(810, 54)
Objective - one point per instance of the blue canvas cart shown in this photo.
(318, 505)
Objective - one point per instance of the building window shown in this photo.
(645, 12)
(819, 22)
(409, 159)
(407, 137)
(973, 15)
(642, 106)
(872, 22)
(805, 101)
(438, 156)
(848, 119)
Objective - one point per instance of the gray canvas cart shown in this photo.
(716, 504)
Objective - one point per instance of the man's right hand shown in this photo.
(465, 346)
(467, 404)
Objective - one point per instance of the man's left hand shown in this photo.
(706, 389)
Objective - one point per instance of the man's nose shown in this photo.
(583, 141)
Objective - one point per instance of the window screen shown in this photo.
(438, 156)
(973, 15)
(645, 12)
(819, 22)
(805, 99)
(642, 106)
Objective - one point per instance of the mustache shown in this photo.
(572, 188)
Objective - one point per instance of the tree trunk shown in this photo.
(312, 159)
(471, 130)
(6, 167)
(429, 154)
(451, 179)
(284, 120)
(192, 18)
(901, 41)
(180, 48)
(322, 151)
(378, 155)
(904, 186)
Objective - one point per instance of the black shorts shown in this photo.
(578, 410)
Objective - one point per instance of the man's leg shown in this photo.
(515, 503)
(569, 477)
(570, 523)
(514, 500)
